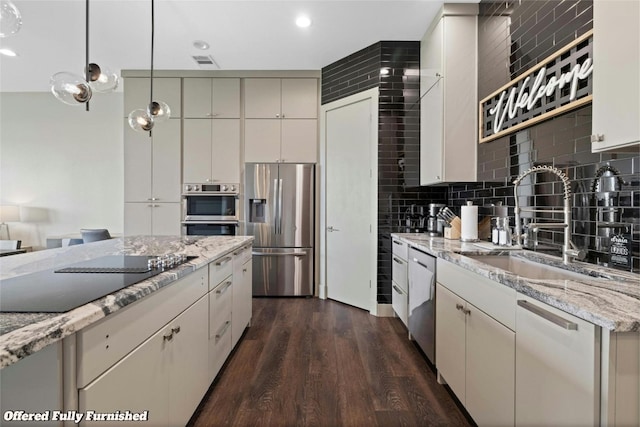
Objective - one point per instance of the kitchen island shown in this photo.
(546, 344)
(195, 312)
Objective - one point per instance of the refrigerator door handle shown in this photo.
(295, 254)
(276, 198)
(279, 206)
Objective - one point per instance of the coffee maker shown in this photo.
(435, 225)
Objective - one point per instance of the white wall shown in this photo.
(61, 164)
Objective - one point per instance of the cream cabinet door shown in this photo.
(262, 98)
(137, 165)
(166, 89)
(225, 142)
(139, 382)
(299, 141)
(451, 340)
(225, 102)
(212, 98)
(490, 370)
(165, 219)
(616, 85)
(166, 162)
(299, 98)
(188, 356)
(137, 218)
(196, 150)
(262, 140)
(242, 294)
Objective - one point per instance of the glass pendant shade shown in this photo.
(102, 79)
(160, 111)
(140, 120)
(10, 19)
(70, 88)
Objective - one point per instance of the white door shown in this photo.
(351, 201)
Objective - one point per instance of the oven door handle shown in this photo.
(236, 223)
(212, 193)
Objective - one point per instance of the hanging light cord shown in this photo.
(86, 47)
(152, 37)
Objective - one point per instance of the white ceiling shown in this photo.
(244, 35)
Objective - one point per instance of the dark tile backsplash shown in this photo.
(514, 36)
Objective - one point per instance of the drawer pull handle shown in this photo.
(398, 261)
(547, 315)
(397, 289)
(223, 330)
(223, 261)
(395, 242)
(224, 289)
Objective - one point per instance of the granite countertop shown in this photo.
(605, 297)
(22, 334)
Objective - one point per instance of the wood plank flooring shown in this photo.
(312, 362)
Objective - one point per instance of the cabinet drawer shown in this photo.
(220, 300)
(219, 346)
(399, 272)
(104, 343)
(219, 270)
(400, 301)
(495, 299)
(400, 248)
(242, 255)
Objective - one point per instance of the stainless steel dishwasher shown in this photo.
(422, 298)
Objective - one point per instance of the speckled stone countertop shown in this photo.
(605, 297)
(22, 334)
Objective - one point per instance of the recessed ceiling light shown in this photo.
(7, 52)
(201, 44)
(303, 21)
(384, 71)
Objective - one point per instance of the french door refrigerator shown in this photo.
(279, 213)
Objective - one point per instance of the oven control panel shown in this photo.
(211, 188)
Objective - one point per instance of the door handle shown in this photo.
(547, 315)
(331, 229)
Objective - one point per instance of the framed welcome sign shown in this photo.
(560, 83)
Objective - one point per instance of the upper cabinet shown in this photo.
(166, 89)
(293, 98)
(211, 151)
(616, 85)
(215, 98)
(281, 120)
(448, 90)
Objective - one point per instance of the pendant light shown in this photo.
(73, 89)
(10, 19)
(157, 111)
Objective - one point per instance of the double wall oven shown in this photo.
(210, 209)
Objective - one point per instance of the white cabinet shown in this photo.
(448, 106)
(399, 284)
(152, 219)
(220, 301)
(616, 85)
(242, 293)
(152, 180)
(557, 367)
(475, 343)
(281, 120)
(211, 150)
(162, 376)
(212, 98)
(166, 89)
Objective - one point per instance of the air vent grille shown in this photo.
(206, 61)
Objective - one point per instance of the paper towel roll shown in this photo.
(469, 231)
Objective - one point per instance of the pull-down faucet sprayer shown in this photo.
(569, 250)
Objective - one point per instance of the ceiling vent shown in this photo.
(206, 61)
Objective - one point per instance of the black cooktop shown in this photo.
(63, 289)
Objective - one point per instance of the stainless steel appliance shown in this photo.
(435, 225)
(279, 213)
(422, 297)
(211, 209)
(80, 283)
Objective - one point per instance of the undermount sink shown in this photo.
(528, 269)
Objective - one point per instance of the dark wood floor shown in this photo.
(321, 363)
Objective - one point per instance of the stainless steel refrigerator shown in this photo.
(279, 213)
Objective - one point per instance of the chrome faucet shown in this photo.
(569, 249)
